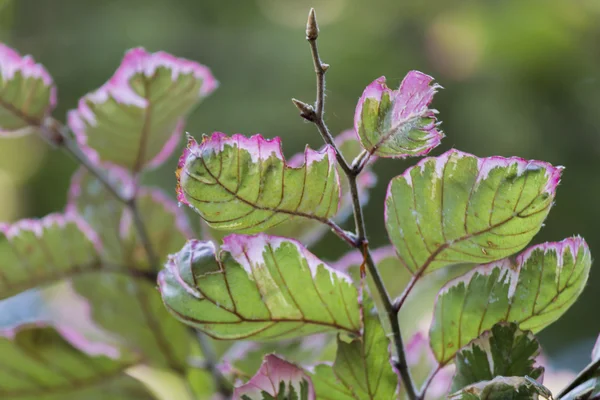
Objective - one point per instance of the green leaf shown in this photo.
(502, 351)
(278, 380)
(245, 185)
(135, 119)
(533, 291)
(457, 208)
(257, 287)
(309, 231)
(38, 252)
(398, 123)
(362, 367)
(27, 93)
(38, 364)
(500, 388)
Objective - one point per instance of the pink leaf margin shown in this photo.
(273, 371)
(257, 146)
(12, 62)
(411, 99)
(137, 61)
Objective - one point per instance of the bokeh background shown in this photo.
(521, 77)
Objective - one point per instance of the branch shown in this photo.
(314, 114)
(587, 373)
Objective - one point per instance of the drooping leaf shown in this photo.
(398, 123)
(245, 184)
(533, 291)
(38, 252)
(308, 231)
(457, 208)
(27, 93)
(362, 367)
(38, 364)
(502, 351)
(135, 119)
(500, 388)
(257, 287)
(276, 379)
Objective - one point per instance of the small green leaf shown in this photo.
(398, 123)
(362, 368)
(502, 351)
(276, 380)
(135, 119)
(457, 208)
(533, 291)
(27, 93)
(39, 364)
(245, 185)
(257, 287)
(500, 388)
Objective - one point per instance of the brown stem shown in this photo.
(315, 115)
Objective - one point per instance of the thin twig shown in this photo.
(210, 363)
(315, 115)
(587, 373)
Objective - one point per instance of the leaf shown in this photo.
(166, 224)
(398, 123)
(457, 208)
(257, 287)
(533, 291)
(362, 368)
(38, 252)
(421, 362)
(502, 351)
(27, 93)
(244, 184)
(135, 119)
(309, 231)
(276, 378)
(500, 388)
(245, 357)
(163, 384)
(38, 364)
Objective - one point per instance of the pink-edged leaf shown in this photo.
(279, 379)
(533, 290)
(457, 208)
(398, 123)
(38, 252)
(245, 184)
(39, 363)
(27, 93)
(135, 119)
(257, 287)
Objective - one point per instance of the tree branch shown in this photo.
(315, 115)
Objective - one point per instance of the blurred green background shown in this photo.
(521, 78)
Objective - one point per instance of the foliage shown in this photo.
(80, 316)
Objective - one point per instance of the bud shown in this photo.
(312, 29)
